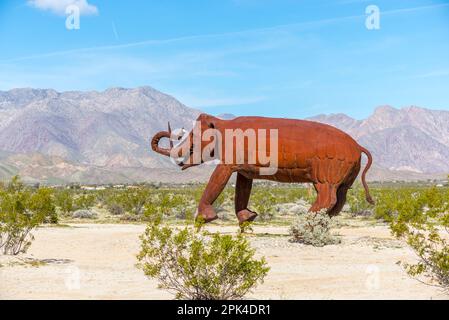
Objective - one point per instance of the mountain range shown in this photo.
(410, 139)
(103, 137)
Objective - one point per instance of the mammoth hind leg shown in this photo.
(242, 192)
(341, 200)
(342, 191)
(215, 186)
(326, 197)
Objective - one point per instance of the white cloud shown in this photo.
(59, 6)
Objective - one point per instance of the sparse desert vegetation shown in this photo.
(92, 233)
(196, 265)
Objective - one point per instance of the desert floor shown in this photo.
(98, 261)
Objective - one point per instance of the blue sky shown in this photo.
(284, 58)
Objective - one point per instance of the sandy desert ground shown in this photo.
(97, 261)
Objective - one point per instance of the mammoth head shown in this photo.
(193, 148)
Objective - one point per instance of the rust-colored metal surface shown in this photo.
(303, 151)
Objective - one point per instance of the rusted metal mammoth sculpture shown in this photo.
(303, 152)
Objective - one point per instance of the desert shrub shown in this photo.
(167, 203)
(134, 200)
(264, 203)
(116, 209)
(223, 199)
(267, 200)
(185, 213)
(64, 200)
(297, 208)
(391, 201)
(195, 265)
(289, 193)
(41, 203)
(197, 192)
(84, 214)
(313, 229)
(21, 211)
(422, 220)
(84, 201)
(356, 200)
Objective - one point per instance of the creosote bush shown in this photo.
(195, 265)
(264, 204)
(356, 200)
(64, 200)
(85, 201)
(22, 210)
(422, 220)
(313, 229)
(116, 209)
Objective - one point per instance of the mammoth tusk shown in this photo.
(188, 165)
(169, 132)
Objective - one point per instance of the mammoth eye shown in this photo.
(211, 125)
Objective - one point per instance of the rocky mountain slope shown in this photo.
(103, 137)
(412, 139)
(86, 136)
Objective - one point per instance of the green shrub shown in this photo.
(356, 200)
(390, 201)
(41, 203)
(167, 203)
(195, 265)
(224, 199)
(185, 213)
(422, 220)
(133, 200)
(64, 200)
(313, 229)
(116, 209)
(21, 211)
(264, 203)
(84, 201)
(266, 200)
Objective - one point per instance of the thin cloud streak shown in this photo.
(114, 30)
(432, 74)
(218, 35)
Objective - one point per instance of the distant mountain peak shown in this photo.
(226, 116)
(341, 116)
(115, 89)
(385, 109)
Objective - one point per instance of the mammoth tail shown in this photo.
(368, 165)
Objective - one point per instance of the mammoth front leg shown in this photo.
(214, 187)
(242, 192)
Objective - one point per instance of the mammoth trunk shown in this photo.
(181, 153)
(155, 143)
